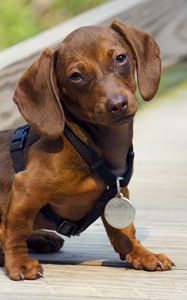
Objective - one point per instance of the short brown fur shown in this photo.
(86, 83)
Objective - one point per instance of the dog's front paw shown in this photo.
(24, 268)
(146, 260)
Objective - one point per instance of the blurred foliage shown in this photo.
(172, 76)
(20, 19)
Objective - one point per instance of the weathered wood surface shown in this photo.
(166, 20)
(158, 187)
(159, 191)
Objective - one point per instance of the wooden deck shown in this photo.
(87, 267)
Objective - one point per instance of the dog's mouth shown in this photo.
(125, 118)
(122, 120)
(104, 119)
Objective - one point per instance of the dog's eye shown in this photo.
(76, 77)
(121, 58)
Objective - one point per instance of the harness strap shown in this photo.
(90, 157)
(63, 226)
(96, 163)
(70, 228)
(17, 147)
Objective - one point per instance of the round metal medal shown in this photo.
(119, 212)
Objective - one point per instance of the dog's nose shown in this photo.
(118, 103)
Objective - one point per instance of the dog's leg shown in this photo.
(25, 202)
(125, 243)
(45, 241)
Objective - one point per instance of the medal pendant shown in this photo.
(119, 211)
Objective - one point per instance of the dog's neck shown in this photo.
(113, 144)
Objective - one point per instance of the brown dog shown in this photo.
(87, 82)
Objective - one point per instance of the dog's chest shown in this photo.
(78, 197)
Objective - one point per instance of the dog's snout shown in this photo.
(117, 104)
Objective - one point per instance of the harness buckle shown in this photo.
(19, 138)
(67, 228)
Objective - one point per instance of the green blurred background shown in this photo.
(20, 19)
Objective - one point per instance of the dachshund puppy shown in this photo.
(87, 82)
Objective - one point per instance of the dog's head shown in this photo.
(92, 76)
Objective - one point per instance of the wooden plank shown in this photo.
(174, 225)
(84, 282)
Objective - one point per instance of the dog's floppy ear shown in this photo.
(147, 56)
(37, 96)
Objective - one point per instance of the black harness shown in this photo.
(96, 164)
